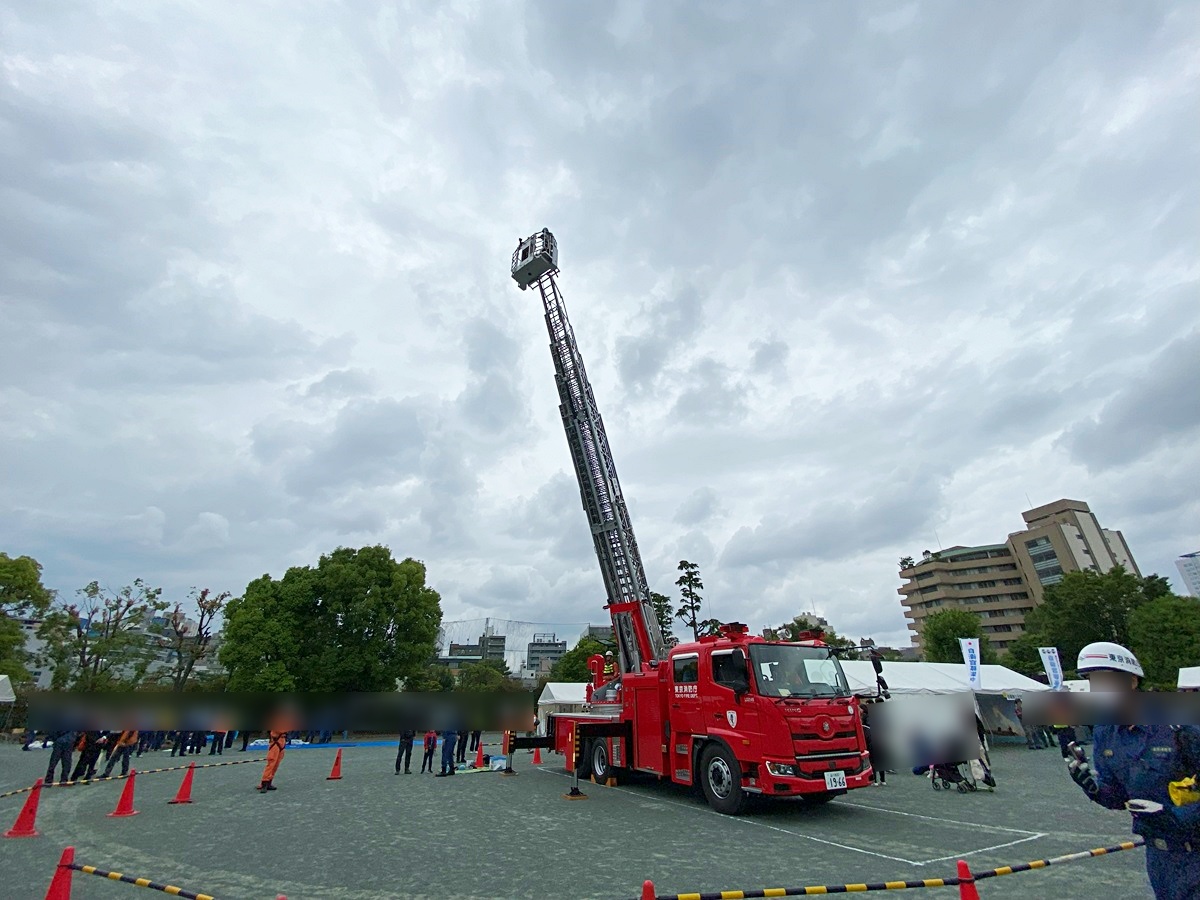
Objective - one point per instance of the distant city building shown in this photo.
(602, 633)
(1002, 583)
(1189, 569)
(544, 648)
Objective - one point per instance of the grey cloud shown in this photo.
(1161, 406)
(970, 226)
(712, 394)
(770, 357)
(700, 506)
(340, 383)
(370, 442)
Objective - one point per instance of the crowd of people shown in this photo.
(113, 747)
(455, 746)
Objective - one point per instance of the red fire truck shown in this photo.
(732, 714)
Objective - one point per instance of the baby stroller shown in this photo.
(949, 776)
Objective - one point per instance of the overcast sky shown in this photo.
(848, 279)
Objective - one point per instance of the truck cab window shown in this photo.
(687, 670)
(729, 669)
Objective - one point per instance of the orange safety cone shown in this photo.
(125, 804)
(185, 789)
(966, 882)
(648, 890)
(60, 884)
(479, 756)
(337, 767)
(537, 756)
(24, 826)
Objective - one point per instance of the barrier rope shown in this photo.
(820, 889)
(50, 784)
(1070, 857)
(140, 882)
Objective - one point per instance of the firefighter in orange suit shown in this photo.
(278, 741)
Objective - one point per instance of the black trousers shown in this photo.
(404, 753)
(59, 756)
(475, 740)
(218, 744)
(462, 747)
(427, 760)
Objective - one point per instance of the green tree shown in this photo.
(573, 664)
(1164, 634)
(430, 679)
(1022, 655)
(22, 595)
(1086, 606)
(664, 614)
(357, 621)
(941, 631)
(190, 642)
(102, 641)
(690, 586)
(488, 675)
(906, 562)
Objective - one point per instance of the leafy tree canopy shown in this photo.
(357, 621)
(573, 664)
(941, 631)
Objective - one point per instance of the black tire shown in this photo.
(962, 788)
(601, 766)
(937, 785)
(720, 777)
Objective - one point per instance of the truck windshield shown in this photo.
(786, 670)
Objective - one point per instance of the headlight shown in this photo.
(782, 769)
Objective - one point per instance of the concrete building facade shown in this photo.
(1189, 569)
(1002, 583)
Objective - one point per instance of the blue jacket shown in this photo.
(1137, 763)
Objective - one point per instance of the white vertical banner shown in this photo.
(970, 652)
(1053, 666)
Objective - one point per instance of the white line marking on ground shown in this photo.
(743, 821)
(982, 850)
(972, 825)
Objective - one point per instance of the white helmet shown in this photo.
(1107, 655)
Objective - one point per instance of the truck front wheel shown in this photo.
(721, 780)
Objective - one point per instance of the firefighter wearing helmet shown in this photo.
(610, 666)
(1144, 769)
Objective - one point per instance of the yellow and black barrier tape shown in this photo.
(823, 889)
(102, 780)
(140, 882)
(1057, 860)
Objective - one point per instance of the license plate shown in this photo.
(835, 781)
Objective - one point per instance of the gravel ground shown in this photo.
(375, 834)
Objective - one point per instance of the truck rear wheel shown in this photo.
(601, 767)
(721, 780)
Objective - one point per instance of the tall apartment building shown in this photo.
(544, 651)
(1189, 568)
(1001, 583)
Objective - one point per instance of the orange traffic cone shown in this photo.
(23, 827)
(125, 804)
(60, 884)
(185, 789)
(537, 756)
(337, 767)
(966, 882)
(479, 756)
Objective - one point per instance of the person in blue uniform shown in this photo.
(1134, 767)
(448, 740)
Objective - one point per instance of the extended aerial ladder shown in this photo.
(639, 637)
